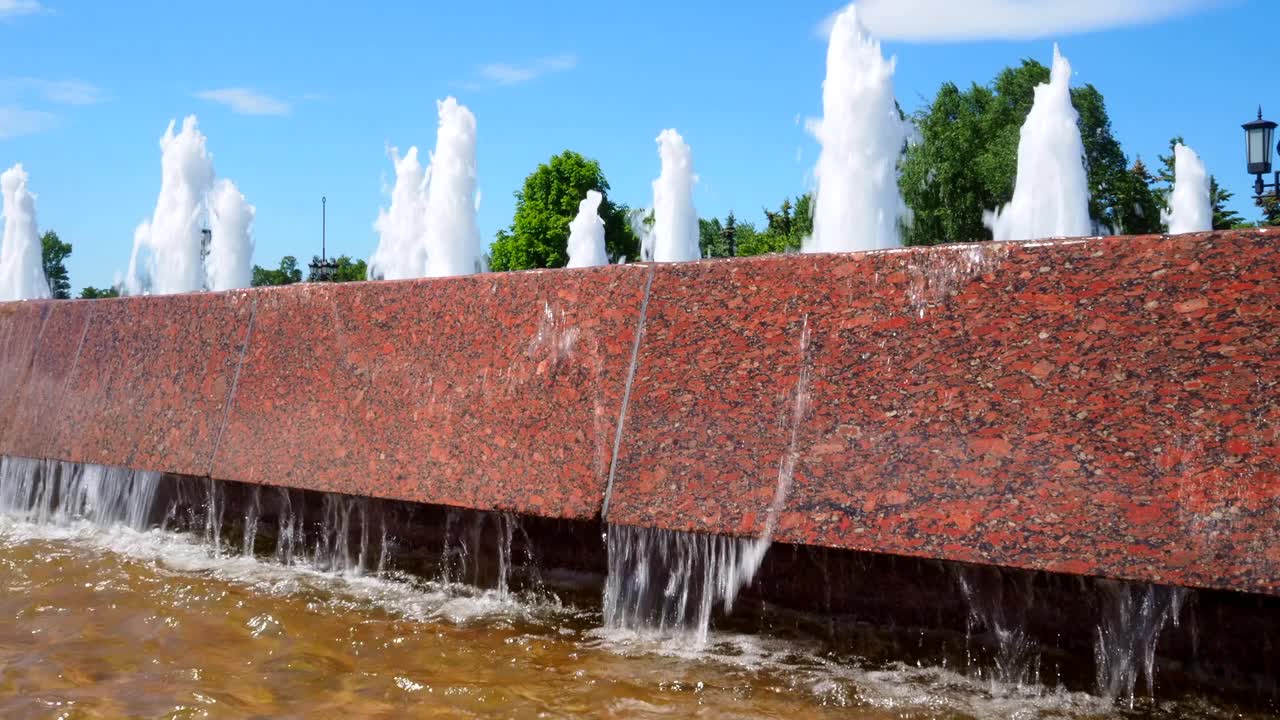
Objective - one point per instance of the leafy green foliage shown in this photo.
(546, 204)
(967, 160)
(93, 293)
(350, 270)
(53, 254)
(287, 274)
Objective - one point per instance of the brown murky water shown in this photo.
(98, 624)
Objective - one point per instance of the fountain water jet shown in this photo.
(452, 236)
(230, 261)
(857, 203)
(1051, 193)
(1190, 209)
(674, 237)
(586, 234)
(430, 228)
(21, 270)
(168, 250)
(401, 253)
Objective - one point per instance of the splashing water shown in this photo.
(168, 250)
(586, 234)
(452, 236)
(1051, 193)
(401, 252)
(1190, 209)
(674, 237)
(857, 202)
(21, 270)
(670, 581)
(430, 229)
(230, 261)
(1133, 617)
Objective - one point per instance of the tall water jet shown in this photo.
(21, 268)
(1051, 193)
(401, 252)
(230, 261)
(674, 237)
(1190, 209)
(452, 236)
(857, 202)
(586, 234)
(167, 249)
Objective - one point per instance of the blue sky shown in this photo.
(87, 88)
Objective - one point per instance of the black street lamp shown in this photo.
(1258, 135)
(322, 268)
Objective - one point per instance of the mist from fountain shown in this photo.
(674, 235)
(1190, 208)
(1051, 192)
(586, 234)
(857, 204)
(21, 268)
(401, 252)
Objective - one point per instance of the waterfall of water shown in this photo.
(54, 492)
(586, 234)
(1016, 653)
(466, 534)
(674, 236)
(1190, 208)
(857, 204)
(1128, 631)
(1051, 192)
(671, 581)
(21, 270)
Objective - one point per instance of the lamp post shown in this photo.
(322, 268)
(1258, 135)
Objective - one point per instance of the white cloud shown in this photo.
(58, 92)
(951, 21)
(18, 8)
(246, 101)
(15, 121)
(512, 74)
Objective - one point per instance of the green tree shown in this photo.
(1134, 193)
(966, 162)
(93, 293)
(1270, 208)
(545, 205)
(711, 238)
(54, 253)
(287, 274)
(350, 270)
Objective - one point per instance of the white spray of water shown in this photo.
(21, 269)
(230, 261)
(453, 238)
(168, 250)
(674, 236)
(430, 229)
(858, 205)
(401, 252)
(1190, 209)
(586, 234)
(1051, 193)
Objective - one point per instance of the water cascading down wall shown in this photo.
(1103, 407)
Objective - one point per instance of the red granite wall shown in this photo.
(1104, 407)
